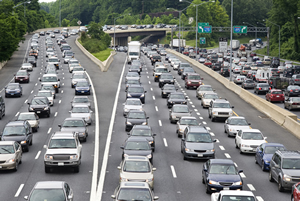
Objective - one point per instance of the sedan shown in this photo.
(39, 105)
(275, 95)
(165, 78)
(265, 152)
(26, 66)
(134, 68)
(22, 76)
(239, 79)
(48, 87)
(13, 89)
(167, 89)
(234, 124)
(136, 91)
(80, 100)
(184, 122)
(248, 140)
(135, 117)
(144, 131)
(132, 104)
(185, 71)
(248, 84)
(32, 118)
(77, 125)
(201, 60)
(202, 89)
(176, 98)
(292, 103)
(47, 94)
(82, 111)
(207, 98)
(77, 76)
(10, 155)
(82, 87)
(292, 90)
(132, 76)
(221, 174)
(178, 111)
(262, 88)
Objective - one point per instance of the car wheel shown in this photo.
(47, 169)
(280, 188)
(48, 115)
(184, 158)
(30, 144)
(26, 149)
(292, 198)
(203, 182)
(263, 166)
(209, 116)
(76, 169)
(208, 191)
(236, 146)
(212, 119)
(225, 130)
(270, 177)
(16, 168)
(290, 107)
(84, 140)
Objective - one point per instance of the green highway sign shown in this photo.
(240, 29)
(204, 29)
(203, 23)
(202, 40)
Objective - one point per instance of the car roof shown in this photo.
(39, 97)
(82, 105)
(197, 129)
(177, 92)
(80, 97)
(251, 130)
(136, 158)
(144, 127)
(50, 75)
(289, 153)
(49, 185)
(237, 193)
(136, 111)
(45, 91)
(192, 74)
(186, 117)
(236, 117)
(136, 138)
(135, 85)
(63, 134)
(221, 100)
(275, 90)
(73, 118)
(33, 113)
(180, 105)
(11, 84)
(221, 161)
(7, 142)
(15, 123)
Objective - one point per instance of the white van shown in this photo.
(263, 74)
(65, 30)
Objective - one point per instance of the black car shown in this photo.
(216, 66)
(176, 98)
(182, 66)
(13, 89)
(224, 71)
(136, 91)
(167, 89)
(19, 131)
(32, 60)
(135, 117)
(292, 90)
(262, 88)
(185, 71)
(155, 58)
(39, 105)
(42, 33)
(275, 63)
(144, 131)
(132, 82)
(165, 78)
(137, 146)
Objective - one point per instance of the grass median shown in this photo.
(103, 55)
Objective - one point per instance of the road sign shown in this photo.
(223, 46)
(202, 40)
(204, 29)
(203, 23)
(191, 20)
(79, 22)
(240, 29)
(222, 39)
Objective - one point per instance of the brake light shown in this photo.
(278, 71)
(291, 90)
(270, 88)
(296, 79)
(295, 103)
(271, 82)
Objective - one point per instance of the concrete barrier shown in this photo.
(281, 116)
(2, 64)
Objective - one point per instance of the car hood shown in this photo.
(252, 142)
(176, 100)
(38, 106)
(133, 107)
(13, 138)
(199, 146)
(137, 121)
(61, 151)
(222, 109)
(224, 178)
(291, 172)
(82, 115)
(137, 152)
(136, 175)
(168, 91)
(75, 129)
(238, 127)
(135, 94)
(268, 157)
(5, 157)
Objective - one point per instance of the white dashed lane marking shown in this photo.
(159, 122)
(173, 171)
(55, 114)
(17, 114)
(165, 142)
(221, 147)
(251, 187)
(156, 108)
(19, 190)
(259, 198)
(49, 130)
(243, 175)
(227, 155)
(37, 155)
(153, 97)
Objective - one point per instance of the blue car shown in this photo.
(221, 174)
(82, 87)
(13, 89)
(264, 154)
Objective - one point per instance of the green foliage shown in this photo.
(147, 19)
(65, 23)
(74, 22)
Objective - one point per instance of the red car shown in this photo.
(207, 63)
(275, 95)
(252, 54)
(296, 192)
(193, 80)
(22, 76)
(186, 52)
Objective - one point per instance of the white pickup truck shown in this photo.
(232, 195)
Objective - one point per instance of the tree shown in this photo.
(147, 19)
(47, 25)
(74, 22)
(158, 20)
(65, 23)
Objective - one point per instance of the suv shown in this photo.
(193, 80)
(155, 58)
(19, 131)
(285, 169)
(219, 108)
(64, 149)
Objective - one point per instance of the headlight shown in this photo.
(232, 129)
(149, 156)
(239, 183)
(215, 113)
(23, 142)
(74, 157)
(18, 90)
(125, 155)
(184, 102)
(144, 123)
(210, 150)
(149, 180)
(150, 142)
(245, 145)
(267, 161)
(173, 116)
(128, 95)
(82, 133)
(12, 160)
(286, 177)
(126, 109)
(123, 179)
(189, 82)
(213, 182)
(230, 113)
(180, 130)
(48, 157)
(142, 95)
(186, 149)
(129, 123)
(46, 108)
(31, 109)
(164, 92)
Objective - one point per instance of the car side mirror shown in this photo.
(113, 196)
(58, 79)
(45, 146)
(122, 147)
(205, 170)
(232, 106)
(154, 169)
(182, 139)
(249, 124)
(154, 134)
(119, 167)
(39, 79)
(147, 117)
(47, 60)
(59, 125)
(145, 91)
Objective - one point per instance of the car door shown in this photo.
(206, 167)
(260, 154)
(210, 109)
(28, 131)
(18, 151)
(238, 138)
(183, 140)
(69, 192)
(226, 125)
(274, 163)
(297, 193)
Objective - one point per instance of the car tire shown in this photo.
(76, 169)
(203, 182)
(280, 187)
(184, 158)
(236, 146)
(47, 169)
(290, 107)
(26, 149)
(263, 166)
(212, 119)
(207, 190)
(84, 140)
(270, 177)
(30, 144)
(16, 168)
(225, 130)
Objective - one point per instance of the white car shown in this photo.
(234, 124)
(248, 140)
(176, 65)
(236, 60)
(26, 66)
(47, 94)
(202, 60)
(82, 111)
(244, 59)
(132, 104)
(237, 69)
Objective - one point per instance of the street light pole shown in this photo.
(24, 6)
(268, 37)
(59, 13)
(230, 67)
(278, 36)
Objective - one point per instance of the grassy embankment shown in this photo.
(102, 55)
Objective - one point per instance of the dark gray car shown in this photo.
(77, 125)
(135, 117)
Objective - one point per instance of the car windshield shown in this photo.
(237, 198)
(166, 76)
(138, 194)
(78, 69)
(210, 96)
(7, 149)
(135, 90)
(180, 109)
(45, 94)
(49, 79)
(74, 62)
(291, 163)
(133, 102)
(198, 137)
(21, 73)
(137, 145)
(62, 143)
(221, 105)
(14, 130)
(161, 70)
(13, 87)
(136, 166)
(132, 75)
(133, 53)
(252, 136)
(38, 102)
(136, 115)
(185, 65)
(223, 169)
(172, 87)
(240, 122)
(80, 100)
(82, 84)
(26, 64)
(53, 60)
(294, 87)
(80, 110)
(188, 70)
(134, 67)
(295, 99)
(249, 81)
(177, 96)
(47, 88)
(188, 122)
(47, 194)
(264, 85)
(78, 76)
(141, 132)
(133, 82)
(23, 117)
(277, 92)
(194, 77)
(273, 149)
(73, 123)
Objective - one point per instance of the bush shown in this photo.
(191, 35)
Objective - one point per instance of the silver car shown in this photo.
(76, 76)
(207, 98)
(82, 111)
(10, 155)
(48, 87)
(234, 124)
(178, 111)
(202, 89)
(80, 100)
(32, 118)
(239, 79)
(292, 103)
(132, 104)
(183, 122)
(47, 94)
(132, 76)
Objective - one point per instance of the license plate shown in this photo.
(12, 94)
(277, 96)
(254, 149)
(38, 112)
(21, 79)
(60, 164)
(200, 155)
(225, 188)
(82, 91)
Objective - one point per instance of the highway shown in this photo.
(175, 179)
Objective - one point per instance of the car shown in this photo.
(134, 68)
(292, 90)
(48, 94)
(136, 91)
(50, 52)
(137, 146)
(32, 118)
(77, 125)
(132, 76)
(80, 100)
(248, 84)
(275, 95)
(295, 80)
(165, 78)
(262, 88)
(176, 64)
(225, 71)
(295, 192)
(202, 89)
(138, 63)
(135, 117)
(239, 79)
(292, 103)
(49, 87)
(26, 66)
(22, 76)
(185, 71)
(221, 174)
(11, 155)
(155, 58)
(245, 70)
(39, 105)
(132, 104)
(226, 195)
(63, 150)
(167, 89)
(68, 53)
(285, 169)
(82, 111)
(258, 45)
(192, 80)
(131, 82)
(219, 109)
(207, 97)
(158, 71)
(77, 76)
(178, 111)
(49, 190)
(82, 87)
(31, 60)
(216, 66)
(51, 79)
(13, 90)
(67, 59)
(134, 191)
(176, 98)
(137, 168)
(234, 124)
(184, 122)
(19, 131)
(236, 69)
(264, 154)
(144, 131)
(182, 66)
(196, 143)
(34, 53)
(247, 140)
(244, 59)
(53, 60)
(78, 69)
(201, 60)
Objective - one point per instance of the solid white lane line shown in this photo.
(49, 130)
(173, 171)
(165, 142)
(259, 198)
(26, 101)
(97, 191)
(37, 155)
(59, 101)
(151, 89)
(227, 155)
(153, 97)
(221, 147)
(19, 190)
(32, 91)
(55, 114)
(251, 187)
(156, 108)
(243, 175)
(159, 122)
(204, 122)
(149, 82)
(17, 114)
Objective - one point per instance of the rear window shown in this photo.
(277, 92)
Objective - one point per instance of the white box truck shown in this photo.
(134, 51)
(176, 43)
(235, 44)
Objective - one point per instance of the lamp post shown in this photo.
(231, 19)
(278, 36)
(59, 13)
(115, 28)
(24, 6)
(196, 20)
(255, 29)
